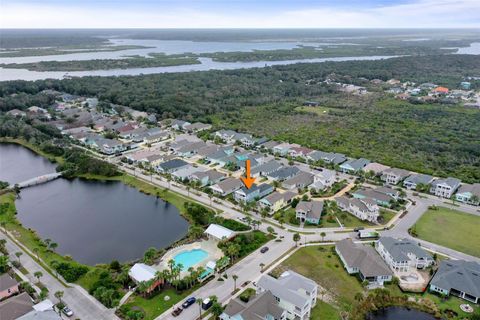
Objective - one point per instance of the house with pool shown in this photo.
(204, 253)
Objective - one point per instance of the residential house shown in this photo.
(157, 137)
(15, 307)
(190, 149)
(445, 188)
(381, 198)
(142, 273)
(362, 259)
(184, 173)
(394, 176)
(268, 145)
(364, 209)
(335, 158)
(283, 173)
(403, 254)
(171, 166)
(322, 180)
(299, 181)
(299, 152)
(295, 293)
(265, 169)
(263, 306)
(276, 200)
(469, 193)
(386, 190)
(197, 127)
(179, 124)
(8, 286)
(309, 211)
(207, 150)
(219, 233)
(208, 177)
(106, 146)
(458, 278)
(416, 179)
(226, 135)
(283, 148)
(354, 165)
(376, 168)
(255, 192)
(227, 186)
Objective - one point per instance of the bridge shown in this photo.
(38, 180)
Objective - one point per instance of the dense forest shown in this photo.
(432, 138)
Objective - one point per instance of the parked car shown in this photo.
(245, 283)
(188, 302)
(177, 311)
(358, 229)
(264, 249)
(67, 311)
(206, 304)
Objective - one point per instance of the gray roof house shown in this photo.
(257, 191)
(445, 188)
(261, 307)
(459, 278)
(469, 193)
(276, 200)
(172, 166)
(300, 180)
(294, 293)
(197, 126)
(354, 165)
(266, 168)
(412, 181)
(208, 177)
(283, 173)
(227, 186)
(309, 211)
(403, 254)
(179, 124)
(394, 175)
(361, 259)
(15, 307)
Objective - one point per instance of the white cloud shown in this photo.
(422, 13)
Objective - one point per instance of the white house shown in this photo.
(217, 232)
(364, 209)
(445, 188)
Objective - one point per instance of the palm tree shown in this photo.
(53, 246)
(322, 234)
(54, 265)
(296, 238)
(38, 275)
(234, 277)
(59, 295)
(191, 271)
(18, 254)
(47, 242)
(199, 302)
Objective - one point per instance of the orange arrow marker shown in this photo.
(247, 180)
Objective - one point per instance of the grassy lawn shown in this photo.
(288, 215)
(325, 311)
(450, 228)
(156, 305)
(324, 267)
(316, 110)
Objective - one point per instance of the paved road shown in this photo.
(82, 304)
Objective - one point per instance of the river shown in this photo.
(93, 221)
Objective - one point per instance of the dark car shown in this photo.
(188, 302)
(264, 249)
(206, 304)
(358, 229)
(177, 311)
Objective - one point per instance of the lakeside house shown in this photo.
(469, 193)
(142, 273)
(309, 211)
(262, 306)
(295, 293)
(403, 254)
(207, 177)
(276, 200)
(364, 208)
(364, 260)
(218, 232)
(416, 179)
(227, 186)
(171, 166)
(445, 188)
(457, 278)
(254, 193)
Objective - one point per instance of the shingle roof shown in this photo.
(257, 308)
(268, 167)
(6, 282)
(398, 248)
(312, 208)
(16, 306)
(452, 182)
(460, 275)
(172, 164)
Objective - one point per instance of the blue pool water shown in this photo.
(190, 258)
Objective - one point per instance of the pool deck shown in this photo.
(209, 246)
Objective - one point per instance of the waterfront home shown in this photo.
(417, 179)
(364, 260)
(283, 173)
(106, 146)
(262, 306)
(227, 186)
(363, 209)
(469, 193)
(457, 278)
(309, 211)
(15, 307)
(295, 293)
(403, 254)
(208, 177)
(8, 286)
(299, 181)
(276, 200)
(154, 159)
(219, 233)
(394, 175)
(179, 125)
(197, 127)
(445, 188)
(381, 198)
(141, 272)
(184, 173)
(254, 193)
(376, 168)
(354, 165)
(171, 166)
(322, 180)
(265, 168)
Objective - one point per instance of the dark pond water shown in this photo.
(93, 221)
(400, 313)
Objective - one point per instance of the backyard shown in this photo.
(448, 227)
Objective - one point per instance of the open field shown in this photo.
(316, 110)
(451, 228)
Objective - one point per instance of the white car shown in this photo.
(66, 311)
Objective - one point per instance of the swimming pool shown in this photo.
(190, 258)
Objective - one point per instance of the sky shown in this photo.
(239, 14)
